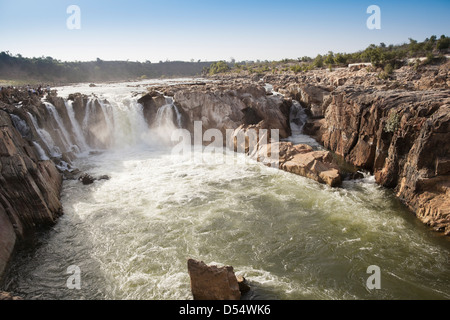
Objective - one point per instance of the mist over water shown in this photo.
(291, 237)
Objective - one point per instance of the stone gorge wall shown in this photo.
(31, 168)
(398, 129)
(242, 107)
(40, 138)
(29, 189)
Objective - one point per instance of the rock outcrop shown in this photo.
(151, 102)
(29, 189)
(398, 129)
(402, 138)
(212, 282)
(229, 106)
(298, 159)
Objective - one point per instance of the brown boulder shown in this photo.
(316, 165)
(212, 282)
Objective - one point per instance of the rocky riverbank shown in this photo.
(29, 188)
(397, 128)
(41, 137)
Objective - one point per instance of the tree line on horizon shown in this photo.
(387, 57)
(50, 70)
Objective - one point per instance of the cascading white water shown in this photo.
(164, 116)
(40, 151)
(298, 119)
(130, 127)
(87, 115)
(20, 125)
(66, 137)
(77, 131)
(46, 138)
(291, 237)
(170, 101)
(167, 119)
(109, 118)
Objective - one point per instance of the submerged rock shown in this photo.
(86, 179)
(243, 284)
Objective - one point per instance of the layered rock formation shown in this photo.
(229, 106)
(242, 107)
(29, 188)
(398, 129)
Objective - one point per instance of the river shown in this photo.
(290, 237)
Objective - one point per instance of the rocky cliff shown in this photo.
(245, 107)
(29, 187)
(398, 129)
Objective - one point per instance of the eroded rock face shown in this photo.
(29, 189)
(301, 159)
(229, 107)
(151, 102)
(403, 138)
(398, 129)
(212, 282)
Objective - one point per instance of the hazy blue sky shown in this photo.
(211, 30)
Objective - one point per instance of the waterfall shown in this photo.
(46, 138)
(297, 118)
(128, 123)
(114, 122)
(21, 126)
(66, 138)
(165, 114)
(178, 115)
(41, 152)
(106, 109)
(79, 137)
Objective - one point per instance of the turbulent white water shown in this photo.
(298, 118)
(46, 138)
(77, 131)
(66, 137)
(41, 152)
(291, 237)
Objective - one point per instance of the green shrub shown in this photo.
(218, 67)
(443, 43)
(318, 61)
(386, 74)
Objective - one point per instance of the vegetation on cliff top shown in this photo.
(387, 57)
(16, 69)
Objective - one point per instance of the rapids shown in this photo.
(291, 237)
